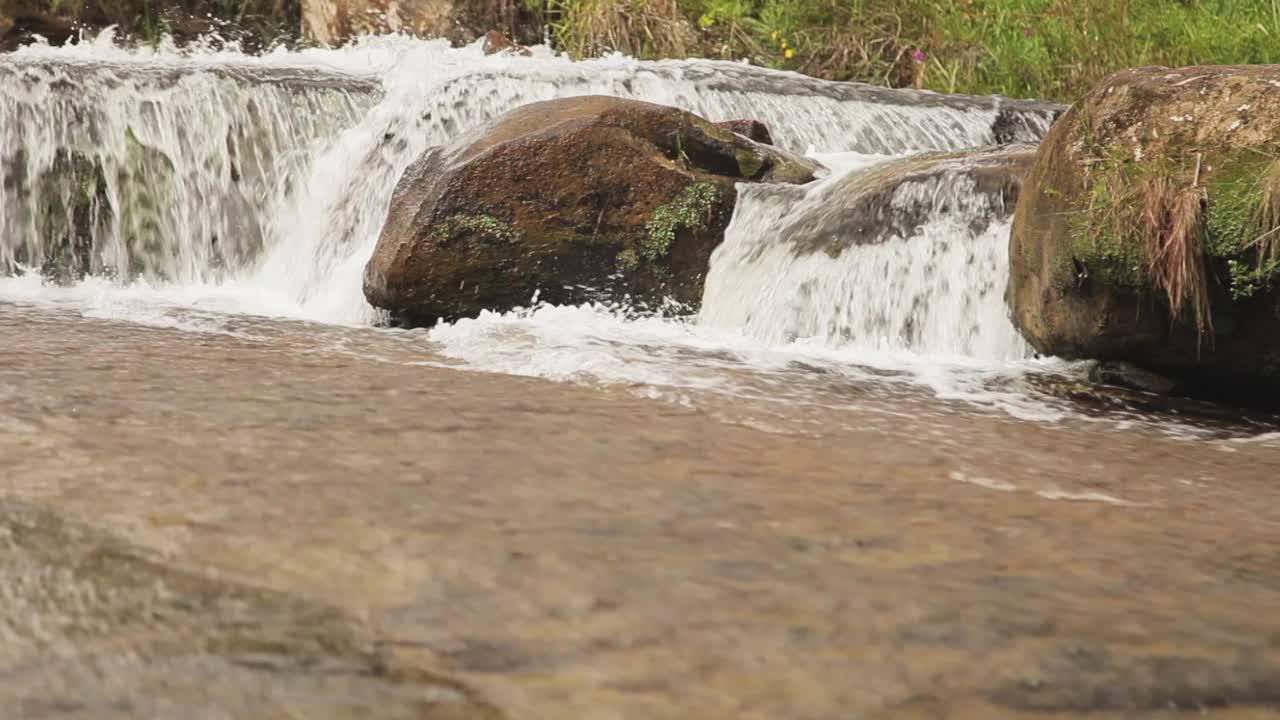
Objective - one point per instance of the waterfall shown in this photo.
(788, 270)
(274, 173)
(141, 173)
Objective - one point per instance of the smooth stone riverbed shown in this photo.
(293, 521)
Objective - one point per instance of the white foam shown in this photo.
(1086, 496)
(983, 482)
(939, 292)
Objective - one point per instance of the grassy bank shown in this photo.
(1051, 49)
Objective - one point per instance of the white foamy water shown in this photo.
(939, 290)
(232, 184)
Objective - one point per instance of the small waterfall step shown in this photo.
(895, 254)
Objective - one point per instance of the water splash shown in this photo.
(274, 173)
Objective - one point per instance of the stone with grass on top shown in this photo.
(1149, 229)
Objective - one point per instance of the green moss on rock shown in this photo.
(1103, 237)
(750, 164)
(1234, 198)
(1106, 234)
(628, 261)
(690, 210)
(486, 226)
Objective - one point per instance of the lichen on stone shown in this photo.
(750, 163)
(486, 226)
(628, 260)
(690, 210)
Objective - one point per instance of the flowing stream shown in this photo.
(194, 187)
(231, 491)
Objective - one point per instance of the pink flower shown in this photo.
(918, 56)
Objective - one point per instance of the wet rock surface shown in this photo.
(97, 628)
(576, 199)
(1144, 233)
(752, 129)
(267, 517)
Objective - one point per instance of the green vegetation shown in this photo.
(1050, 49)
(691, 209)
(1162, 226)
(486, 226)
(628, 261)
(1242, 224)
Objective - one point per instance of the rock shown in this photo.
(22, 20)
(498, 42)
(753, 129)
(1013, 124)
(873, 253)
(577, 199)
(194, 640)
(1147, 231)
(1127, 375)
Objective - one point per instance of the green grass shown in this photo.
(1051, 49)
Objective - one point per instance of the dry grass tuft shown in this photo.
(1173, 232)
(640, 28)
(1267, 221)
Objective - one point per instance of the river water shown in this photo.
(846, 488)
(227, 185)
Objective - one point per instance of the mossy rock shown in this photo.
(1146, 229)
(580, 199)
(72, 213)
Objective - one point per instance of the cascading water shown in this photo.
(144, 174)
(938, 289)
(264, 181)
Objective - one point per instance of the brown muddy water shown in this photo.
(282, 520)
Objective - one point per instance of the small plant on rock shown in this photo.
(691, 210)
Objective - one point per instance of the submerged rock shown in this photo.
(908, 252)
(577, 199)
(895, 198)
(1148, 231)
(138, 634)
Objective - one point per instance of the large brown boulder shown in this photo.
(1148, 229)
(577, 199)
